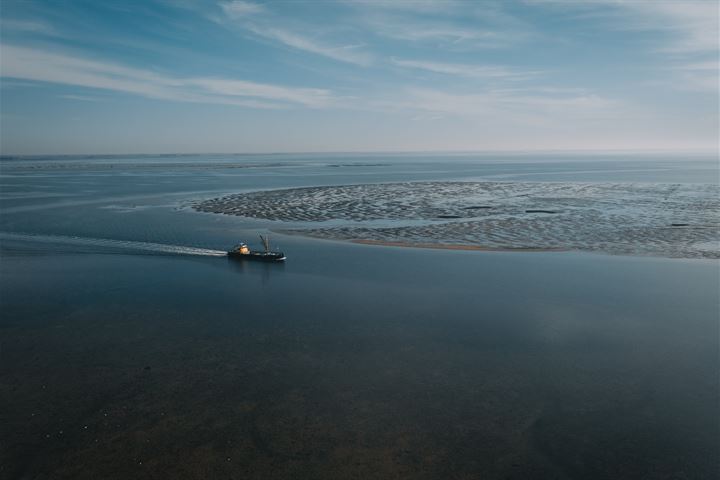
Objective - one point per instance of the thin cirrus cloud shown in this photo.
(30, 26)
(508, 104)
(419, 31)
(694, 24)
(637, 69)
(414, 6)
(690, 29)
(37, 65)
(698, 76)
(25, 63)
(256, 19)
(261, 22)
(691, 25)
(690, 39)
(465, 70)
(455, 25)
(238, 8)
(342, 53)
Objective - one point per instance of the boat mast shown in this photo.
(265, 242)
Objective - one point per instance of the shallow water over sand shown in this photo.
(121, 358)
(668, 220)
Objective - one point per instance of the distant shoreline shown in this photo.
(557, 151)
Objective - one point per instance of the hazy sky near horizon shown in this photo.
(249, 76)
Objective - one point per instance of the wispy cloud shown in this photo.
(456, 25)
(695, 24)
(31, 26)
(415, 6)
(343, 53)
(38, 65)
(525, 106)
(440, 32)
(239, 8)
(82, 98)
(691, 25)
(697, 76)
(465, 70)
(259, 21)
(507, 70)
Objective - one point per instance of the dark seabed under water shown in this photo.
(129, 348)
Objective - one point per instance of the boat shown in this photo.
(243, 252)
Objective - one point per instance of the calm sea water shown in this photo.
(129, 349)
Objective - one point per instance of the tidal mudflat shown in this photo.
(131, 348)
(671, 220)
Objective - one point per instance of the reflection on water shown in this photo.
(348, 361)
(261, 270)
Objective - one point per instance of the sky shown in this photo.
(241, 76)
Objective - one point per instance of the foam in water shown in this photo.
(111, 243)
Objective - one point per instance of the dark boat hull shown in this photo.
(258, 256)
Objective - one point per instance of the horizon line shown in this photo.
(716, 150)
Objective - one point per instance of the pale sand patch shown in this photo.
(666, 220)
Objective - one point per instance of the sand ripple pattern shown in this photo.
(669, 220)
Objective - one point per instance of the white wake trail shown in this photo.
(111, 243)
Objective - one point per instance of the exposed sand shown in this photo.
(668, 220)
